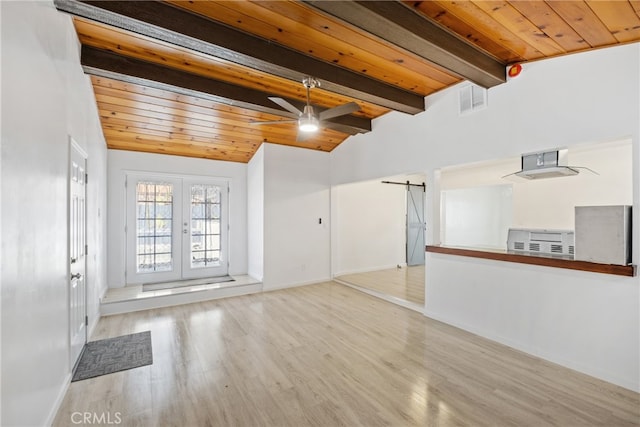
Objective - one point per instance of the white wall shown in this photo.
(549, 105)
(584, 321)
(121, 161)
(255, 214)
(477, 217)
(45, 99)
(296, 195)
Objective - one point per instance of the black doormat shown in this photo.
(147, 287)
(114, 354)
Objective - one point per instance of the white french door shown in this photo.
(177, 228)
(205, 226)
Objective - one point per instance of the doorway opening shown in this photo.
(381, 252)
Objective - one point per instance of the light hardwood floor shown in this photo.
(406, 283)
(328, 355)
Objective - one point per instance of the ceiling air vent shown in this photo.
(472, 98)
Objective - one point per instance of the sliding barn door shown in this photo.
(415, 225)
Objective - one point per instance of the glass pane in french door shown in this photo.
(205, 236)
(154, 219)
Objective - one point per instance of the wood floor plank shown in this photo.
(328, 355)
(406, 283)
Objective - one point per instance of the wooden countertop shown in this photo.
(619, 270)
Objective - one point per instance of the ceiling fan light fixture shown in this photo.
(308, 122)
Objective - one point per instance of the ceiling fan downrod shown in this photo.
(308, 121)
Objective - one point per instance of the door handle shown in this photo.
(73, 260)
(76, 276)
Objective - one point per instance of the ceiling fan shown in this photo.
(308, 120)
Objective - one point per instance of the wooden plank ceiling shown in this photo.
(191, 78)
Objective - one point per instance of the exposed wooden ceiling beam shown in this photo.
(170, 24)
(398, 24)
(111, 65)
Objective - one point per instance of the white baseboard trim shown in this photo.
(394, 300)
(598, 373)
(369, 269)
(59, 399)
(296, 284)
(92, 325)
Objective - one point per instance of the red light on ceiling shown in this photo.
(515, 70)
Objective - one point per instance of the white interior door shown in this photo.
(77, 251)
(176, 228)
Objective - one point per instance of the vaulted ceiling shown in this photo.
(191, 78)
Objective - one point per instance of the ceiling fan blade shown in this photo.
(273, 122)
(285, 104)
(340, 110)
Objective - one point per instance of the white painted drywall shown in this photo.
(255, 215)
(368, 226)
(121, 161)
(296, 196)
(477, 217)
(45, 99)
(574, 99)
(584, 321)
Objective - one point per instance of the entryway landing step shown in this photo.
(133, 298)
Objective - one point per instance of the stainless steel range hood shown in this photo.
(550, 172)
(547, 164)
